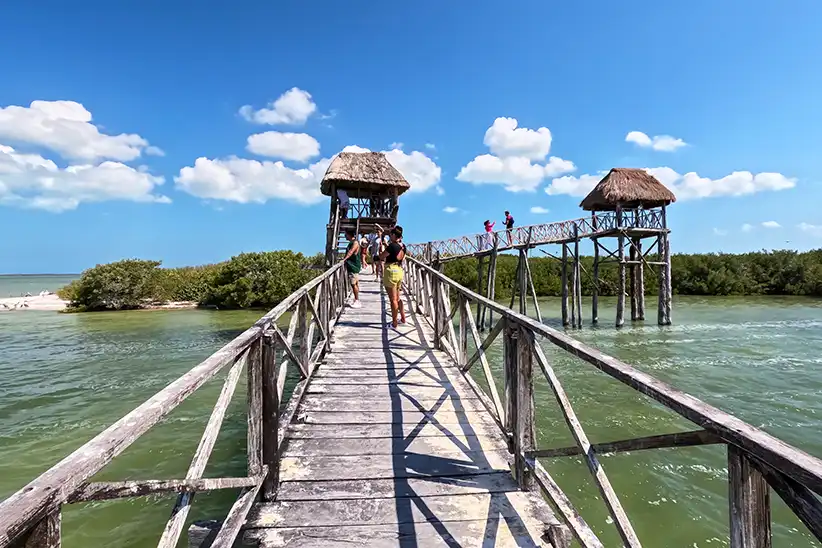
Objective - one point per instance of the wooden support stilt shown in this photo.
(668, 288)
(640, 281)
(533, 289)
(564, 284)
(515, 284)
(595, 290)
(577, 278)
(480, 264)
(522, 280)
(492, 280)
(620, 314)
(632, 281)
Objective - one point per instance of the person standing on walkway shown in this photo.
(353, 265)
(509, 226)
(375, 248)
(393, 274)
(489, 233)
(342, 195)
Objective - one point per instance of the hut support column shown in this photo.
(564, 284)
(577, 279)
(640, 280)
(664, 252)
(620, 314)
(595, 289)
(632, 280)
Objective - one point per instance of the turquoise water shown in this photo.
(16, 285)
(68, 376)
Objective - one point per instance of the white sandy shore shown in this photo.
(54, 303)
(36, 302)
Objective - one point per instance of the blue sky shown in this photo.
(155, 86)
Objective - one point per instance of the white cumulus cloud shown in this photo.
(430, 146)
(288, 146)
(65, 127)
(450, 209)
(771, 224)
(539, 210)
(664, 143)
(813, 230)
(418, 169)
(30, 180)
(292, 108)
(399, 146)
(514, 162)
(689, 186)
(240, 180)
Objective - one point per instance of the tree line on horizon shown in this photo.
(263, 279)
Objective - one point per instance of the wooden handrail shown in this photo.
(755, 458)
(32, 514)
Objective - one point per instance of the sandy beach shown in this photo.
(46, 302)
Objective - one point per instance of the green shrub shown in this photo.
(258, 280)
(189, 283)
(115, 286)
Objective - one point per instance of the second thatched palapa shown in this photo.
(628, 188)
(363, 172)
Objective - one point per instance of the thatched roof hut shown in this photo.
(628, 187)
(365, 172)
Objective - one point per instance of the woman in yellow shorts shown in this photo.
(392, 274)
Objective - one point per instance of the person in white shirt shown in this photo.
(344, 203)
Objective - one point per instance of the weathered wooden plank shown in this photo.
(270, 416)
(107, 490)
(493, 482)
(320, 403)
(486, 344)
(413, 390)
(486, 368)
(459, 463)
(47, 533)
(494, 531)
(391, 446)
(579, 528)
(388, 430)
(303, 332)
(281, 342)
(392, 417)
(525, 426)
(514, 505)
(796, 463)
(663, 441)
(175, 524)
(806, 505)
(623, 524)
(254, 438)
(236, 517)
(749, 501)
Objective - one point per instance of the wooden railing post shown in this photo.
(270, 418)
(46, 534)
(462, 342)
(509, 357)
(303, 331)
(254, 440)
(749, 501)
(525, 429)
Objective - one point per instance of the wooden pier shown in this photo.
(389, 439)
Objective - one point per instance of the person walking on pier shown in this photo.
(392, 276)
(376, 247)
(509, 226)
(489, 233)
(353, 265)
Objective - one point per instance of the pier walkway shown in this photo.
(392, 448)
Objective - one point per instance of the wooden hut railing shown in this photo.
(598, 224)
(756, 460)
(31, 517)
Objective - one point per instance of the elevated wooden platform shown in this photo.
(391, 447)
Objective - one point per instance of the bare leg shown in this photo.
(400, 306)
(392, 298)
(355, 288)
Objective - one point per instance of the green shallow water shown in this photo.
(68, 376)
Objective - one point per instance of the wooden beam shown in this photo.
(564, 284)
(749, 501)
(174, 526)
(581, 531)
(663, 441)
(806, 505)
(254, 438)
(525, 432)
(47, 533)
(623, 524)
(271, 398)
(486, 344)
(236, 517)
(283, 343)
(108, 490)
(489, 377)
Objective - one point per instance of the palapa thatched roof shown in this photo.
(366, 171)
(629, 188)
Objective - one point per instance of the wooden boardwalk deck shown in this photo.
(393, 448)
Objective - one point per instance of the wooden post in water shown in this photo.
(749, 501)
(620, 313)
(480, 264)
(522, 281)
(564, 284)
(632, 281)
(492, 281)
(595, 289)
(640, 280)
(577, 278)
(664, 251)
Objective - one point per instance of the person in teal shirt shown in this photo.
(353, 265)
